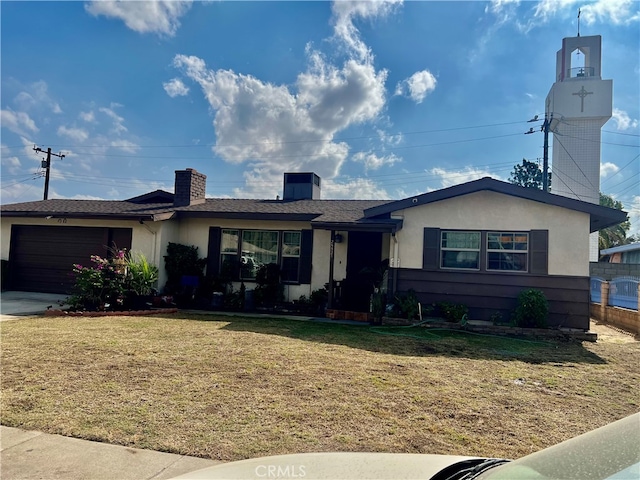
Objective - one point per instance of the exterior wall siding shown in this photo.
(487, 294)
(568, 229)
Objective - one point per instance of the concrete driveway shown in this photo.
(16, 304)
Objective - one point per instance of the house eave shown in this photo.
(382, 227)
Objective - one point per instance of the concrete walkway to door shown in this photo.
(16, 304)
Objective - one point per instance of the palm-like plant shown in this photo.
(142, 274)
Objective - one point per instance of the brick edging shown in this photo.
(127, 313)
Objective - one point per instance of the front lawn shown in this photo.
(232, 388)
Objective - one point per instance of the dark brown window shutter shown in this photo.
(431, 249)
(306, 251)
(539, 248)
(213, 251)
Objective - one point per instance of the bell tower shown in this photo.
(577, 106)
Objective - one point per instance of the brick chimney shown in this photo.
(190, 188)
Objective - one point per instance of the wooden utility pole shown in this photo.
(47, 166)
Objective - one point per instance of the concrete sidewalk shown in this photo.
(14, 304)
(27, 455)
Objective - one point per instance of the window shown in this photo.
(460, 250)
(258, 248)
(507, 251)
(290, 256)
(228, 250)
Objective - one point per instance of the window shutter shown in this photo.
(431, 249)
(306, 251)
(539, 248)
(213, 251)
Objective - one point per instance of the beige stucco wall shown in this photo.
(196, 232)
(568, 229)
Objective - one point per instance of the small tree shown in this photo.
(529, 175)
(617, 234)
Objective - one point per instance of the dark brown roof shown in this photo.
(335, 214)
(326, 211)
(601, 217)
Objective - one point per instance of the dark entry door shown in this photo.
(364, 253)
(41, 257)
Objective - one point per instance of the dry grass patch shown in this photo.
(233, 388)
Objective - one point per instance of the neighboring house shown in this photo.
(622, 254)
(478, 243)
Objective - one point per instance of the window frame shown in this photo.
(239, 274)
(513, 251)
(443, 249)
(537, 261)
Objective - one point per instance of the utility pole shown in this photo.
(47, 166)
(545, 155)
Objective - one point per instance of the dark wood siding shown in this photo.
(41, 258)
(487, 293)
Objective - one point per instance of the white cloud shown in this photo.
(77, 134)
(345, 12)
(17, 122)
(125, 145)
(271, 125)
(36, 95)
(159, 16)
(118, 121)
(12, 164)
(358, 188)
(88, 117)
(607, 169)
(417, 86)
(623, 121)
(175, 88)
(372, 161)
(618, 12)
(449, 178)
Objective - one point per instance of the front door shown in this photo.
(364, 253)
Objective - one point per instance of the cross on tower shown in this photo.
(582, 93)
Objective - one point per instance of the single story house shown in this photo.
(479, 243)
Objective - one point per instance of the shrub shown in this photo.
(181, 260)
(101, 285)
(452, 312)
(532, 309)
(268, 289)
(405, 305)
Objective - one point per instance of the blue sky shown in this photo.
(381, 99)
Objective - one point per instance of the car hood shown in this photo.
(335, 466)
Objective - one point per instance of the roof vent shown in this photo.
(301, 186)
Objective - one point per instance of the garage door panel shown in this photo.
(42, 257)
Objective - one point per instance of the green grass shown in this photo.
(232, 388)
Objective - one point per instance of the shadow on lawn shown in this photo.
(419, 341)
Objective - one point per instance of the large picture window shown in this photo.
(507, 251)
(258, 248)
(460, 250)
